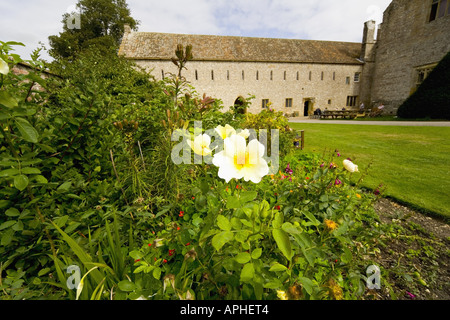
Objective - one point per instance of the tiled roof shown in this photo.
(161, 46)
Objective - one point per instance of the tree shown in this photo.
(101, 24)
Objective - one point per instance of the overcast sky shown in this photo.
(32, 21)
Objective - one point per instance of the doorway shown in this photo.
(240, 105)
(308, 106)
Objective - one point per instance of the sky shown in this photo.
(32, 21)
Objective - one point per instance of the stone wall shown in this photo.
(323, 84)
(406, 41)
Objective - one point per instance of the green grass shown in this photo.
(412, 162)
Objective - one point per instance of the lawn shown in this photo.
(411, 162)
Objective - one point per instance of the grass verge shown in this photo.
(411, 162)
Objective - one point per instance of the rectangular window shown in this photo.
(321, 76)
(257, 75)
(347, 80)
(212, 75)
(351, 101)
(298, 75)
(334, 75)
(310, 75)
(289, 103)
(196, 75)
(228, 74)
(357, 76)
(329, 101)
(434, 8)
(265, 102)
(271, 75)
(422, 73)
(162, 74)
(284, 76)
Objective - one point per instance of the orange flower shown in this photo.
(181, 214)
(331, 225)
(358, 196)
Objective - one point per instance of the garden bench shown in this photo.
(336, 114)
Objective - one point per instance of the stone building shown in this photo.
(298, 76)
(413, 38)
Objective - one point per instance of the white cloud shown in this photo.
(33, 21)
(175, 16)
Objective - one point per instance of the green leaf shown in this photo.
(243, 257)
(283, 242)
(29, 170)
(7, 237)
(311, 218)
(233, 202)
(247, 273)
(278, 220)
(264, 209)
(20, 182)
(323, 198)
(256, 253)
(157, 273)
(7, 224)
(27, 131)
(7, 100)
(9, 172)
(290, 228)
(61, 221)
(307, 284)
(341, 230)
(40, 179)
(65, 186)
(12, 212)
(274, 284)
(126, 286)
(136, 254)
(277, 267)
(219, 240)
(223, 223)
(246, 196)
(43, 271)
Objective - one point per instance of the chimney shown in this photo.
(368, 42)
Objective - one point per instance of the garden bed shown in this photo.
(416, 258)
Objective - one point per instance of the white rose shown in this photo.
(350, 166)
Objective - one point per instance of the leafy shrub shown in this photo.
(270, 119)
(87, 180)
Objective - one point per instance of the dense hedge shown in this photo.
(432, 98)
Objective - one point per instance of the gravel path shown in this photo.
(375, 123)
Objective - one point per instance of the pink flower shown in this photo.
(337, 182)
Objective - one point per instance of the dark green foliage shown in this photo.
(432, 98)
